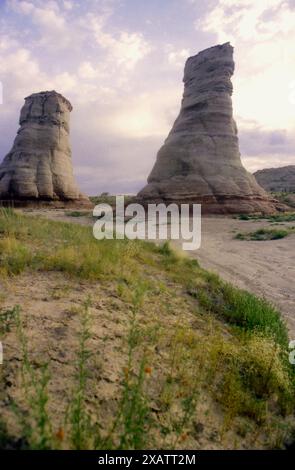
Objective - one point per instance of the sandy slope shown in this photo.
(266, 268)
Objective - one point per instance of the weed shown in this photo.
(265, 234)
(133, 414)
(78, 213)
(165, 249)
(80, 421)
(282, 217)
(59, 292)
(243, 309)
(285, 197)
(37, 429)
(14, 256)
(7, 319)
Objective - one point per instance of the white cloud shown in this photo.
(87, 61)
(148, 114)
(22, 7)
(67, 5)
(20, 74)
(243, 19)
(125, 49)
(263, 35)
(87, 71)
(177, 58)
(270, 161)
(98, 67)
(67, 83)
(55, 32)
(129, 48)
(7, 43)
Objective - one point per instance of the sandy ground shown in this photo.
(266, 268)
(50, 306)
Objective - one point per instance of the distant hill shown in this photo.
(277, 179)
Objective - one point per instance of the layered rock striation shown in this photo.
(280, 179)
(200, 159)
(39, 165)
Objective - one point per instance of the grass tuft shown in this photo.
(243, 309)
(80, 419)
(283, 217)
(265, 234)
(78, 213)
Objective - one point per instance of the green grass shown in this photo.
(31, 242)
(80, 420)
(243, 309)
(265, 234)
(7, 319)
(282, 217)
(236, 306)
(238, 358)
(78, 213)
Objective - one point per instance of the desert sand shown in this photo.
(266, 268)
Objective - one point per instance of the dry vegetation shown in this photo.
(268, 233)
(128, 345)
(263, 234)
(285, 198)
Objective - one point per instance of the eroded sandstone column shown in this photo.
(39, 165)
(200, 159)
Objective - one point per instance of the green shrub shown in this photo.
(14, 256)
(265, 234)
(281, 217)
(7, 319)
(78, 213)
(243, 309)
(252, 373)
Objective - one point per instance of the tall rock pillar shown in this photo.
(39, 165)
(200, 159)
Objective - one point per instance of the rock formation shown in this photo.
(200, 160)
(39, 165)
(277, 179)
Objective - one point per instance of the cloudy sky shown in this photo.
(120, 63)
